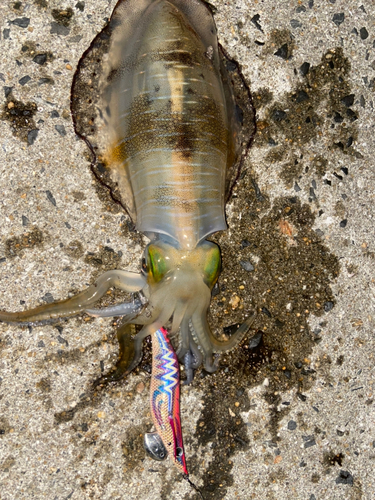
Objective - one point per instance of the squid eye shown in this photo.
(212, 266)
(157, 265)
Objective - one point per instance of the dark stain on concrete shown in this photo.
(74, 249)
(78, 196)
(319, 108)
(63, 16)
(4, 426)
(330, 458)
(20, 117)
(106, 258)
(43, 4)
(31, 50)
(133, 452)
(16, 245)
(7, 463)
(44, 384)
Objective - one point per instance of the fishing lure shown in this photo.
(165, 398)
(166, 135)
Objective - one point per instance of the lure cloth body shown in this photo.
(165, 397)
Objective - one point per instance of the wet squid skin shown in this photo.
(167, 135)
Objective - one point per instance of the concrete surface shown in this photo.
(298, 422)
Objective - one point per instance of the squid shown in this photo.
(154, 101)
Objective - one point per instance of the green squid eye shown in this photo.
(157, 264)
(212, 266)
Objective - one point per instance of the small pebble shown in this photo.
(338, 18)
(363, 33)
(246, 265)
(231, 413)
(101, 414)
(80, 6)
(59, 29)
(61, 130)
(310, 443)
(295, 23)
(328, 306)
(24, 80)
(234, 301)
(51, 198)
(292, 425)
(255, 340)
(282, 52)
(345, 478)
(304, 68)
(140, 387)
(343, 223)
(348, 100)
(31, 136)
(40, 59)
(21, 22)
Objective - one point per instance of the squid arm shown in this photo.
(124, 280)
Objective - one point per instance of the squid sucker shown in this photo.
(154, 99)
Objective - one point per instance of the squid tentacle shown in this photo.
(204, 335)
(125, 309)
(138, 348)
(178, 315)
(188, 363)
(131, 351)
(138, 344)
(126, 359)
(183, 346)
(192, 360)
(196, 353)
(203, 331)
(125, 280)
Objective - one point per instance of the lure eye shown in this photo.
(179, 452)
